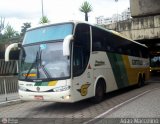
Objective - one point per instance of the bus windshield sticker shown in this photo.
(43, 46)
(30, 75)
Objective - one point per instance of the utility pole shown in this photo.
(117, 15)
(42, 8)
(117, 9)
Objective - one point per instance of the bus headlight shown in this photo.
(22, 88)
(67, 97)
(62, 88)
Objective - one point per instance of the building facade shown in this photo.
(125, 15)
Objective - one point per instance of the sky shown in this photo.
(17, 12)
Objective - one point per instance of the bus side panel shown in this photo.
(134, 67)
(126, 68)
(119, 69)
(102, 69)
(99, 66)
(82, 85)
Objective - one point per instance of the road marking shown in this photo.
(117, 106)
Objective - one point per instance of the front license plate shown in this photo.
(38, 97)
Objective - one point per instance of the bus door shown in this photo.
(82, 72)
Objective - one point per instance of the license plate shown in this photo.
(38, 97)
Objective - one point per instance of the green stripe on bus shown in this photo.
(41, 84)
(119, 70)
(38, 84)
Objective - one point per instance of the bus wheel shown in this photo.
(99, 93)
(140, 81)
(144, 79)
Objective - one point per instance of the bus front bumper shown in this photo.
(64, 96)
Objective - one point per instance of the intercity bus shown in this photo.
(72, 61)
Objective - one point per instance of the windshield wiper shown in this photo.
(38, 62)
(32, 66)
(43, 68)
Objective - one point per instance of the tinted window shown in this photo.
(107, 41)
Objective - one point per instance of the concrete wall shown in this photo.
(138, 28)
(141, 8)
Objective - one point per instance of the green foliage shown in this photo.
(9, 35)
(44, 19)
(2, 24)
(85, 8)
(24, 28)
(10, 32)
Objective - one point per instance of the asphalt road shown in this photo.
(141, 108)
(146, 106)
(130, 103)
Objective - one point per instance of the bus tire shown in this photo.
(144, 79)
(99, 92)
(140, 81)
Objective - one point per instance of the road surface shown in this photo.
(124, 103)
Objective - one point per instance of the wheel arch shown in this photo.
(98, 80)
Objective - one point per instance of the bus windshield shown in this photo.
(44, 61)
(41, 56)
(48, 33)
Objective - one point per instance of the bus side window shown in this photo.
(97, 45)
(98, 39)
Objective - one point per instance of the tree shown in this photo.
(86, 8)
(44, 19)
(24, 28)
(2, 24)
(10, 32)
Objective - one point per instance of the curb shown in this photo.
(11, 102)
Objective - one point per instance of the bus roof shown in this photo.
(78, 22)
(121, 35)
(49, 24)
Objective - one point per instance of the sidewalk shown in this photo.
(9, 97)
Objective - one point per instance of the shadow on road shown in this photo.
(69, 108)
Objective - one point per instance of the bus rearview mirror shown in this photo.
(66, 45)
(9, 48)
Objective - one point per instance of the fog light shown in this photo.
(67, 97)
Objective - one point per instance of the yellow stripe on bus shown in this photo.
(52, 83)
(133, 73)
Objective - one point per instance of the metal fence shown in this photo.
(8, 88)
(8, 68)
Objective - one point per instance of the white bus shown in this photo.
(72, 61)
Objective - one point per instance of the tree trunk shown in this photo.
(86, 16)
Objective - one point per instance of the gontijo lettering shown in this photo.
(137, 62)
